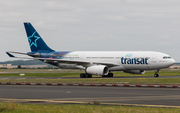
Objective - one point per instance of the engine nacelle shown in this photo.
(135, 71)
(97, 70)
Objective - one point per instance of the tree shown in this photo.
(19, 67)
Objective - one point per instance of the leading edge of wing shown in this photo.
(79, 62)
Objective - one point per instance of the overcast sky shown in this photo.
(92, 25)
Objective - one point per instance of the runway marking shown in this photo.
(79, 102)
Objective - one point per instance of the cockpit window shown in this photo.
(166, 57)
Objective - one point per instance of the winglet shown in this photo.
(10, 55)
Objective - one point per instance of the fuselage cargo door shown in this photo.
(153, 58)
(82, 56)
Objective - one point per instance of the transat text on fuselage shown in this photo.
(134, 61)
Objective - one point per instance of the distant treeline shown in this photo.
(24, 62)
(177, 63)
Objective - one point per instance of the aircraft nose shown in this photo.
(172, 61)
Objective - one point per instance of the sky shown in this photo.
(92, 25)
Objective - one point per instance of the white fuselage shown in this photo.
(124, 60)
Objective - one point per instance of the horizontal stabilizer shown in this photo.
(10, 55)
(33, 55)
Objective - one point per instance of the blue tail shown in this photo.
(36, 43)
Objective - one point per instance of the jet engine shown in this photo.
(97, 70)
(135, 71)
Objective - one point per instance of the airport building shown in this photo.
(175, 67)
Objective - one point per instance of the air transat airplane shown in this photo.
(101, 63)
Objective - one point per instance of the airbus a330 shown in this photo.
(101, 63)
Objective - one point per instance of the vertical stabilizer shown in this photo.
(36, 43)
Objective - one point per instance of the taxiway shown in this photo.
(153, 97)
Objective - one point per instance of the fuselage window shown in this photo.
(166, 57)
(95, 57)
(106, 57)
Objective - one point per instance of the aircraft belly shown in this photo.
(158, 65)
(136, 67)
(67, 66)
(117, 68)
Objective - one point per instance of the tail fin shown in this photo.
(36, 43)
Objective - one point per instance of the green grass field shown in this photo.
(77, 108)
(74, 73)
(97, 79)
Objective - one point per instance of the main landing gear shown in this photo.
(156, 73)
(109, 75)
(85, 75)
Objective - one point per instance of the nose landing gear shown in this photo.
(156, 73)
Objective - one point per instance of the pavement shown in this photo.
(131, 96)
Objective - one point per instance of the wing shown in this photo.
(78, 62)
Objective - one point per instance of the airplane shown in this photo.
(101, 63)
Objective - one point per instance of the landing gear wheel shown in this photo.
(86, 75)
(81, 75)
(110, 74)
(156, 75)
(89, 75)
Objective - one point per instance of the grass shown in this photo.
(77, 108)
(40, 71)
(97, 79)
(40, 75)
(74, 73)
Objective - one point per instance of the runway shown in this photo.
(23, 77)
(153, 97)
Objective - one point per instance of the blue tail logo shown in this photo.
(33, 39)
(36, 43)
